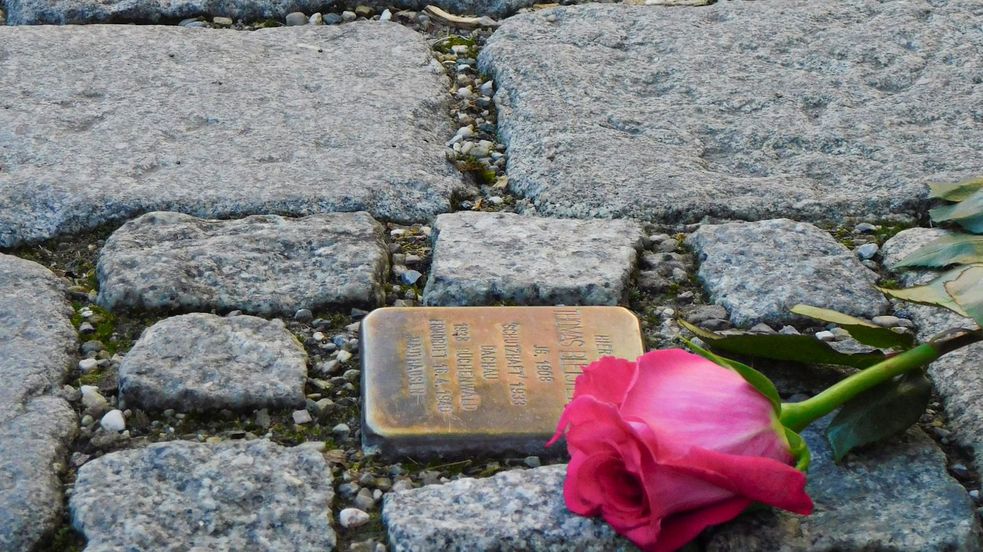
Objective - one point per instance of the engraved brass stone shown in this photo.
(450, 381)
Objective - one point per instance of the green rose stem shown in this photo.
(796, 416)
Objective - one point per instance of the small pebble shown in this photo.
(296, 18)
(410, 277)
(302, 417)
(886, 321)
(348, 15)
(867, 251)
(304, 315)
(864, 228)
(332, 19)
(344, 356)
(386, 15)
(222, 21)
(352, 517)
(87, 365)
(341, 431)
(113, 421)
(317, 19)
(825, 336)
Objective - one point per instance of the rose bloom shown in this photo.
(666, 446)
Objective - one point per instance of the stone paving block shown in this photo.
(486, 258)
(260, 264)
(745, 110)
(759, 270)
(179, 495)
(33, 443)
(197, 362)
(958, 376)
(514, 510)
(892, 496)
(37, 348)
(103, 123)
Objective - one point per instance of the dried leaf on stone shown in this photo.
(955, 191)
(933, 293)
(945, 251)
(968, 213)
(967, 291)
(795, 348)
(863, 331)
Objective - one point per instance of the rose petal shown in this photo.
(680, 529)
(595, 426)
(607, 380)
(688, 400)
(759, 479)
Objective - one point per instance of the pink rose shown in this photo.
(666, 446)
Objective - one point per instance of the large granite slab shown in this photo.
(759, 270)
(958, 376)
(37, 348)
(180, 495)
(487, 258)
(892, 496)
(74, 12)
(102, 123)
(742, 109)
(260, 264)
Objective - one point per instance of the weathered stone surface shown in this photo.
(514, 510)
(218, 124)
(37, 340)
(957, 376)
(37, 347)
(252, 495)
(893, 496)
(33, 444)
(202, 361)
(759, 270)
(483, 258)
(259, 264)
(72, 12)
(61, 12)
(741, 109)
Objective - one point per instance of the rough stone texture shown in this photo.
(61, 12)
(218, 124)
(33, 444)
(958, 376)
(893, 496)
(484, 258)
(74, 12)
(260, 264)
(201, 361)
(512, 511)
(742, 109)
(180, 495)
(37, 347)
(759, 270)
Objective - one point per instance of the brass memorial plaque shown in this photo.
(454, 380)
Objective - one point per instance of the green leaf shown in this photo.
(968, 213)
(956, 191)
(757, 380)
(881, 412)
(967, 291)
(932, 293)
(796, 348)
(799, 449)
(944, 251)
(861, 330)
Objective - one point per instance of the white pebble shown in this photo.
(386, 15)
(464, 92)
(344, 356)
(113, 421)
(352, 517)
(487, 88)
(825, 336)
(87, 365)
(867, 251)
(302, 417)
(317, 19)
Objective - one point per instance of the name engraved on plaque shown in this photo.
(433, 376)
